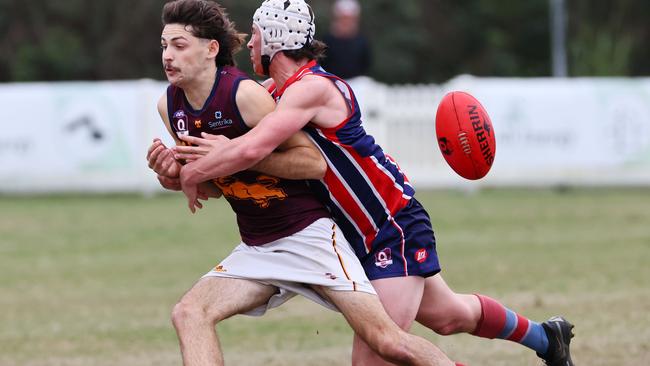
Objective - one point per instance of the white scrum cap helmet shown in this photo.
(284, 25)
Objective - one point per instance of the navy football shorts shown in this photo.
(404, 247)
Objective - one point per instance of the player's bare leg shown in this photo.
(369, 320)
(446, 312)
(210, 300)
(402, 309)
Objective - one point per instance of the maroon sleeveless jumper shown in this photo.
(267, 208)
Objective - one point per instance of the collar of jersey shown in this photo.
(295, 77)
(191, 109)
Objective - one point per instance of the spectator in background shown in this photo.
(348, 54)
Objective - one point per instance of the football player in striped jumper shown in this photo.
(368, 194)
(289, 245)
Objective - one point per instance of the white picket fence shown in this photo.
(92, 137)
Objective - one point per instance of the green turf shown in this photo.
(91, 280)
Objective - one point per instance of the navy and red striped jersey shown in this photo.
(364, 187)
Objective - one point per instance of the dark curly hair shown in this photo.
(208, 20)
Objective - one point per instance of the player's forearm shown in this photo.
(226, 160)
(296, 163)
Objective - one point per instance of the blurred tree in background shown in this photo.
(609, 37)
(414, 41)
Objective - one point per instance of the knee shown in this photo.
(186, 314)
(456, 320)
(448, 327)
(448, 317)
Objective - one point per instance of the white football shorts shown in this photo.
(317, 255)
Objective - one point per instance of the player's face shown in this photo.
(255, 47)
(184, 56)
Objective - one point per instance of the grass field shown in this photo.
(91, 280)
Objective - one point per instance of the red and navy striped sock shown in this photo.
(497, 321)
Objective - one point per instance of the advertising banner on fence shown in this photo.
(70, 137)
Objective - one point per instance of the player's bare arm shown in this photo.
(253, 101)
(331, 106)
(302, 102)
(295, 158)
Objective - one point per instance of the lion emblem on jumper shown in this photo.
(261, 192)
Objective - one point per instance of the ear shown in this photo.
(213, 48)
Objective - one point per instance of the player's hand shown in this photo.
(173, 184)
(201, 194)
(161, 160)
(200, 146)
(191, 190)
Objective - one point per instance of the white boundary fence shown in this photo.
(92, 137)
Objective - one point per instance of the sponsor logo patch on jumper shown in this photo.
(383, 258)
(219, 268)
(421, 255)
(220, 122)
